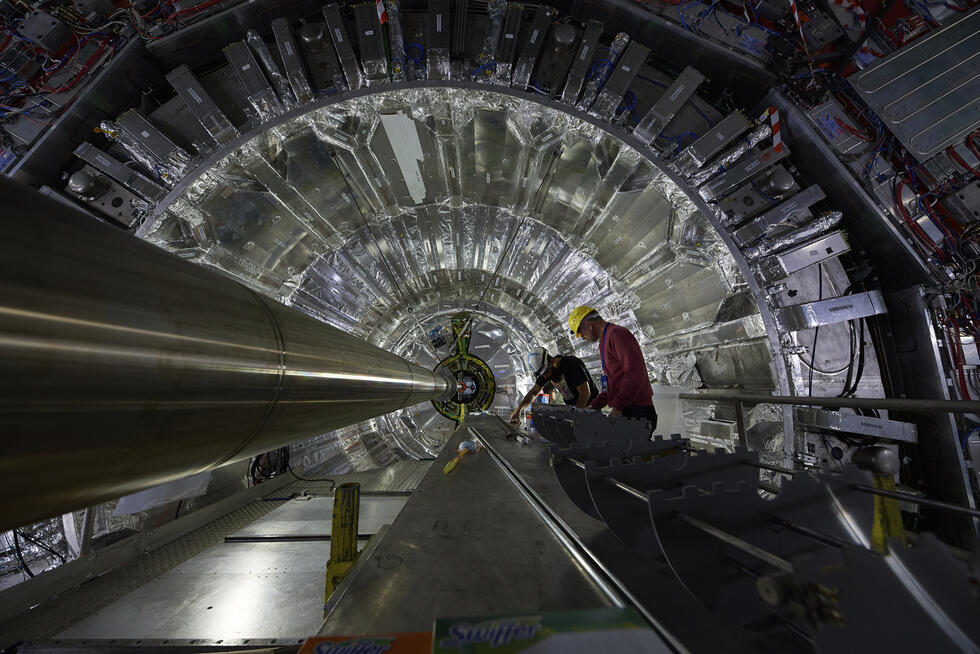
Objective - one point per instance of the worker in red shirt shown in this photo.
(624, 385)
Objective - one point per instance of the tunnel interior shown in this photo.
(384, 214)
(453, 205)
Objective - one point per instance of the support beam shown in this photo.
(125, 367)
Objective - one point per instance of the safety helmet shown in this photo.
(537, 360)
(576, 317)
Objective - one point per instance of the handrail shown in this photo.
(889, 404)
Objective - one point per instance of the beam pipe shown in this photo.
(125, 367)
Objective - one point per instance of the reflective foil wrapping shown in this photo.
(797, 234)
(384, 215)
(724, 161)
(486, 63)
(279, 81)
(398, 71)
(168, 171)
(602, 67)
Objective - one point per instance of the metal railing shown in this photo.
(740, 400)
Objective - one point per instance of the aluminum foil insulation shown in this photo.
(486, 61)
(796, 234)
(168, 171)
(385, 214)
(601, 69)
(395, 36)
(724, 161)
(279, 81)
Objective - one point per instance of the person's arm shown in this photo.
(582, 399)
(600, 401)
(525, 401)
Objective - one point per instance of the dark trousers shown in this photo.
(647, 412)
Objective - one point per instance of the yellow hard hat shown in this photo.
(576, 316)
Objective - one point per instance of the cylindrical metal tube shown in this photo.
(125, 367)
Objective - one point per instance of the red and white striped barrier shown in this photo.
(799, 26)
(772, 113)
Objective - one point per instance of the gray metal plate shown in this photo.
(314, 517)
(465, 544)
(929, 92)
(232, 591)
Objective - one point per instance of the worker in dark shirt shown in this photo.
(625, 384)
(565, 372)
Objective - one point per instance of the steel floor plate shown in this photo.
(75, 607)
(230, 592)
(465, 544)
(314, 517)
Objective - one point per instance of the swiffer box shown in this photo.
(385, 644)
(564, 632)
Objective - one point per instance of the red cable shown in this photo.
(850, 130)
(955, 156)
(971, 146)
(914, 226)
(81, 73)
(955, 348)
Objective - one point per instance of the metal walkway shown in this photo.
(496, 536)
(205, 590)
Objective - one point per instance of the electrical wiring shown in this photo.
(913, 226)
(955, 156)
(262, 468)
(850, 130)
(630, 108)
(20, 555)
(41, 545)
(678, 140)
(490, 67)
(536, 87)
(816, 330)
(763, 194)
(324, 479)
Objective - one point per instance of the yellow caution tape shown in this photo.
(888, 516)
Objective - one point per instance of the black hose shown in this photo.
(40, 544)
(850, 359)
(20, 555)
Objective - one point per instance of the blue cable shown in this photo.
(755, 187)
(534, 87)
(596, 72)
(490, 65)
